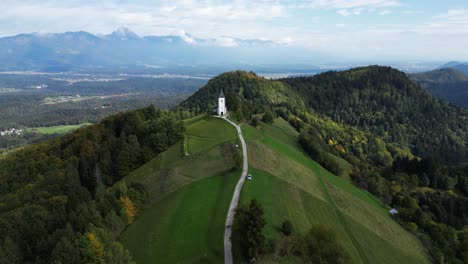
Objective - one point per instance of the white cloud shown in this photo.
(357, 11)
(144, 18)
(412, 12)
(455, 16)
(451, 22)
(344, 12)
(287, 41)
(385, 12)
(226, 42)
(282, 21)
(345, 4)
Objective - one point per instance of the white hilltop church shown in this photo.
(221, 110)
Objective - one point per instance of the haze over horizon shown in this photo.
(351, 30)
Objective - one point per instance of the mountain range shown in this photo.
(460, 66)
(123, 48)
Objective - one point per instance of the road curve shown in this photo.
(235, 198)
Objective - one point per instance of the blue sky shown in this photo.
(367, 29)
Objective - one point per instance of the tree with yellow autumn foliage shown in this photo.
(96, 248)
(130, 208)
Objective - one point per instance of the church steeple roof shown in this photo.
(221, 94)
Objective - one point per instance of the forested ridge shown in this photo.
(447, 83)
(444, 75)
(245, 93)
(61, 201)
(405, 146)
(387, 103)
(55, 202)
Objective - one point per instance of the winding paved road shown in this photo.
(235, 198)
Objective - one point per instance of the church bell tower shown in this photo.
(222, 111)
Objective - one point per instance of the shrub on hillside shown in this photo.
(321, 245)
(249, 224)
(286, 228)
(268, 117)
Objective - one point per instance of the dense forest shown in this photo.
(406, 147)
(455, 93)
(388, 104)
(55, 202)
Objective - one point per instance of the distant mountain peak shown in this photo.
(450, 64)
(443, 75)
(123, 33)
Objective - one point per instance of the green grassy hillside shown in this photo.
(56, 129)
(186, 226)
(366, 124)
(190, 196)
(291, 186)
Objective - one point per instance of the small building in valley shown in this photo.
(393, 211)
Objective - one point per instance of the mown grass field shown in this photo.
(56, 129)
(190, 196)
(186, 226)
(8, 90)
(210, 145)
(289, 185)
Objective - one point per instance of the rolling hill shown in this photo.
(444, 75)
(385, 102)
(190, 196)
(148, 186)
(190, 199)
(54, 201)
(369, 124)
(448, 84)
(291, 186)
(380, 101)
(460, 66)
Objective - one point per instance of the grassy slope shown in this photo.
(209, 145)
(190, 198)
(291, 186)
(186, 226)
(56, 129)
